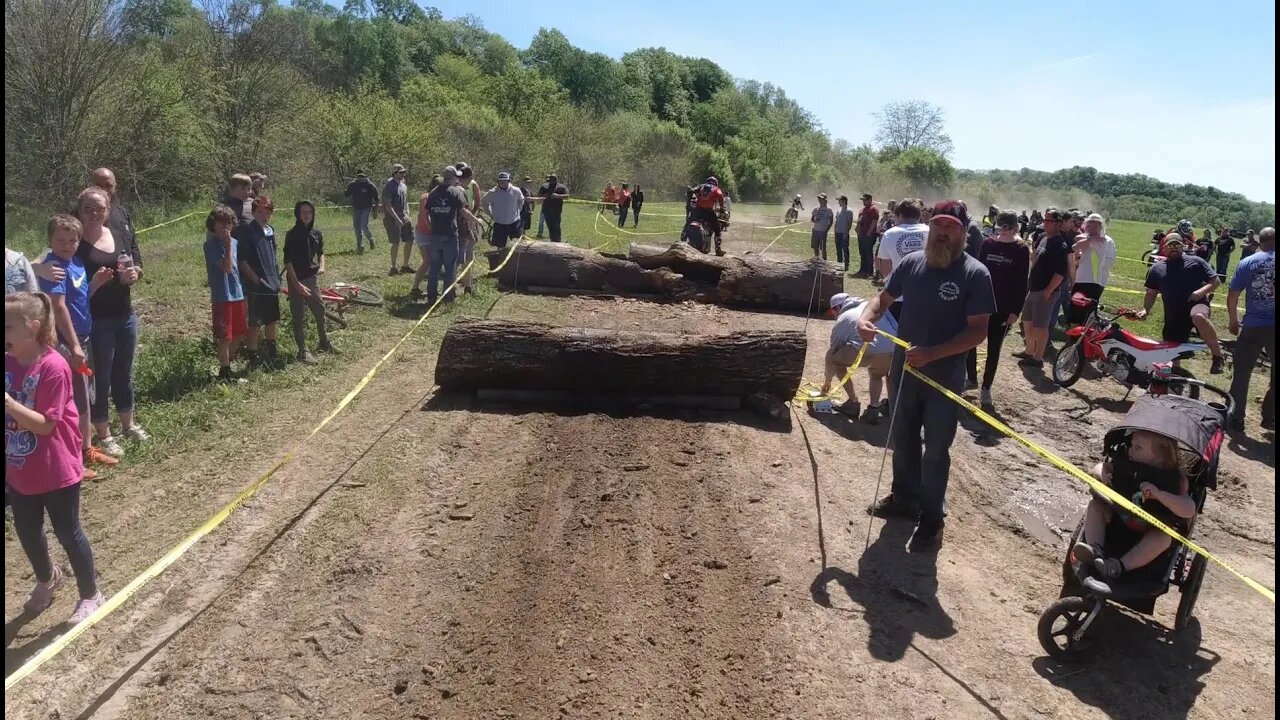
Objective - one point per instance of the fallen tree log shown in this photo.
(749, 282)
(506, 354)
(558, 265)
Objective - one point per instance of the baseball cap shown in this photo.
(398, 168)
(1174, 238)
(449, 172)
(840, 301)
(866, 196)
(822, 196)
(504, 175)
(361, 173)
(952, 211)
(527, 178)
(843, 198)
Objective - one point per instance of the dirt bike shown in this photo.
(1132, 360)
(700, 235)
(792, 215)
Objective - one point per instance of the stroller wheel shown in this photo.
(1190, 592)
(1060, 624)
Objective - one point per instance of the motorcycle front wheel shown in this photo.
(1069, 364)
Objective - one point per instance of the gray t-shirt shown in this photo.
(396, 193)
(822, 219)
(938, 304)
(844, 221)
(443, 206)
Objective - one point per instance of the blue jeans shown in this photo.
(63, 506)
(442, 259)
(1063, 297)
(542, 223)
(114, 343)
(360, 220)
(920, 474)
(842, 248)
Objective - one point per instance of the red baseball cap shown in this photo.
(952, 211)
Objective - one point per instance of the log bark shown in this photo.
(560, 265)
(752, 281)
(532, 356)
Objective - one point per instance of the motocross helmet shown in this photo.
(1185, 228)
(713, 181)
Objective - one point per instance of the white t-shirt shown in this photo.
(1096, 261)
(900, 241)
(845, 330)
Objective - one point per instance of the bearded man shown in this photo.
(947, 300)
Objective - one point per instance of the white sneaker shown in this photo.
(110, 446)
(137, 433)
(85, 608)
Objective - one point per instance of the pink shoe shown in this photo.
(85, 608)
(41, 596)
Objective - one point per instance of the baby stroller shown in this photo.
(1197, 428)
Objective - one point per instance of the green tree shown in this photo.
(926, 171)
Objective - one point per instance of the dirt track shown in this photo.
(486, 561)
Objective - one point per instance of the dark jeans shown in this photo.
(866, 253)
(1249, 344)
(997, 328)
(298, 307)
(1063, 297)
(842, 248)
(635, 216)
(115, 341)
(622, 216)
(1223, 261)
(818, 241)
(553, 225)
(63, 506)
(920, 474)
(360, 220)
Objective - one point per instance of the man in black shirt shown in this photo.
(1048, 274)
(553, 194)
(1185, 284)
(364, 196)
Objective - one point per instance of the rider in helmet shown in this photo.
(989, 221)
(708, 201)
(796, 204)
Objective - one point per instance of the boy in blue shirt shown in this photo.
(230, 317)
(69, 297)
(1256, 277)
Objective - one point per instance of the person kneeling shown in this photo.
(845, 346)
(1149, 471)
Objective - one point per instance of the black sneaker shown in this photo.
(852, 408)
(871, 416)
(1216, 367)
(1236, 424)
(1030, 362)
(887, 507)
(415, 294)
(359, 251)
(927, 537)
(406, 270)
(393, 271)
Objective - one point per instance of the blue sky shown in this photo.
(1182, 91)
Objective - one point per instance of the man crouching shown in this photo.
(845, 346)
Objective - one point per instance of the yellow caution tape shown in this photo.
(1095, 484)
(159, 566)
(808, 392)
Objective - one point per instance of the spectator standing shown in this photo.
(114, 339)
(69, 302)
(948, 304)
(637, 201)
(303, 263)
(422, 236)
(395, 217)
(843, 226)
(18, 275)
(469, 230)
(1249, 246)
(974, 237)
(1048, 273)
(1255, 276)
(1185, 284)
(261, 273)
(526, 209)
(822, 218)
(553, 194)
(868, 222)
(503, 204)
(1023, 223)
(624, 204)
(364, 196)
(238, 190)
(1096, 255)
(257, 184)
(43, 465)
(845, 346)
(448, 210)
(1008, 260)
(899, 241)
(1223, 247)
(226, 294)
(1204, 246)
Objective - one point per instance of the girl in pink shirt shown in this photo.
(43, 463)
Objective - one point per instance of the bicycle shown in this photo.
(340, 295)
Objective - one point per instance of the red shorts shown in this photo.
(230, 320)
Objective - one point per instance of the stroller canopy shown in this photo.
(1193, 423)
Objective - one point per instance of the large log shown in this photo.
(752, 281)
(479, 354)
(558, 265)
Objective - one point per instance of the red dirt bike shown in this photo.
(1132, 360)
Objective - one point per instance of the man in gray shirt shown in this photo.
(949, 300)
(844, 224)
(395, 217)
(503, 203)
(822, 218)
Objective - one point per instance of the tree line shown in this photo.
(177, 95)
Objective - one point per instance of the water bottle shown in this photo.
(123, 263)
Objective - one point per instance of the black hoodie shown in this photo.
(303, 244)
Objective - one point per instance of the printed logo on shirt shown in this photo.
(19, 443)
(77, 281)
(1264, 281)
(909, 242)
(948, 291)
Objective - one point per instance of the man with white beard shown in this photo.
(948, 300)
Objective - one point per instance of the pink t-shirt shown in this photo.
(36, 464)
